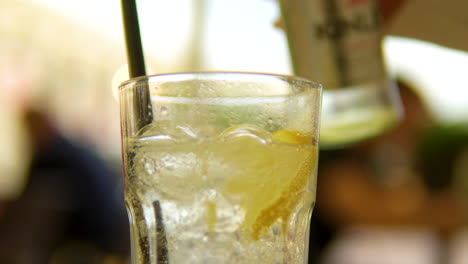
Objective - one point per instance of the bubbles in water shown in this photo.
(201, 184)
(149, 165)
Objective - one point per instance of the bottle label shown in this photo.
(336, 42)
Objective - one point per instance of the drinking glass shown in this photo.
(220, 167)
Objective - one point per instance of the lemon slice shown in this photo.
(268, 179)
(286, 204)
(283, 207)
(291, 136)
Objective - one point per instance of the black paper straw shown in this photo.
(162, 252)
(135, 57)
(136, 64)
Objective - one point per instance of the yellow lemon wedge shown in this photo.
(268, 181)
(291, 136)
(285, 205)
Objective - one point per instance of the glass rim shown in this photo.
(225, 76)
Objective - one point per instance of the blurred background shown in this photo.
(61, 62)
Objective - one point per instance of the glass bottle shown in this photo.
(339, 43)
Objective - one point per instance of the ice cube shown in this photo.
(169, 171)
(246, 130)
(166, 131)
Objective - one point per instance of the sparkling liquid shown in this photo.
(243, 196)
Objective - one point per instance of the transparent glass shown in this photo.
(220, 167)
